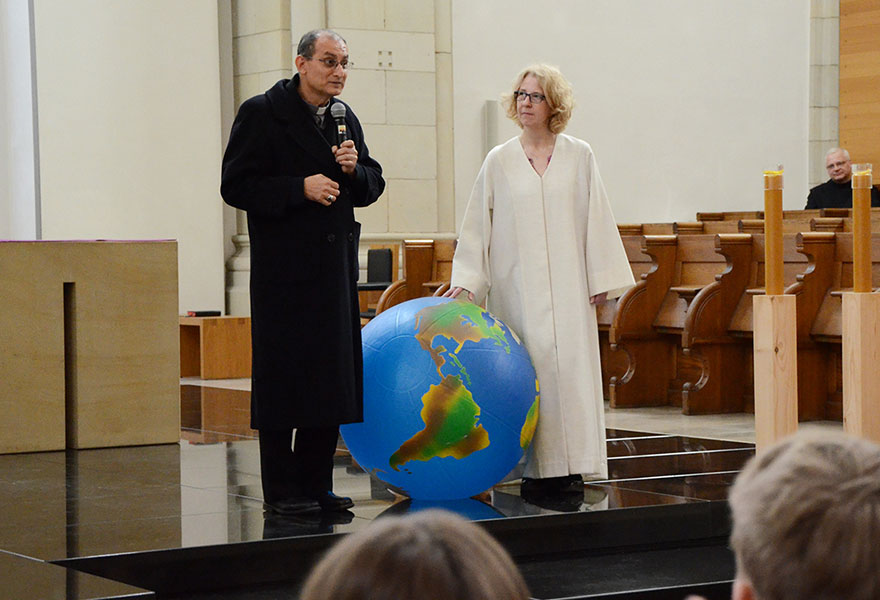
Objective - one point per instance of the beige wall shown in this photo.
(392, 88)
(684, 102)
(130, 129)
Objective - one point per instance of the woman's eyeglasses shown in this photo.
(535, 97)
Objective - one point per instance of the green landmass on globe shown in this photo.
(450, 413)
(451, 429)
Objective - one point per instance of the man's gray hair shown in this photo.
(833, 150)
(306, 47)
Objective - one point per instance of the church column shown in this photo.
(445, 138)
(824, 84)
(19, 160)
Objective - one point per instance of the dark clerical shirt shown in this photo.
(836, 195)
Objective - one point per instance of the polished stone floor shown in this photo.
(206, 489)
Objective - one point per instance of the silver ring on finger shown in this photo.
(331, 198)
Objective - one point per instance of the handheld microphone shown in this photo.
(337, 111)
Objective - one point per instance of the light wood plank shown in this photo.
(860, 79)
(861, 355)
(775, 343)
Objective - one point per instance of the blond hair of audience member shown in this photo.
(430, 554)
(557, 91)
(806, 520)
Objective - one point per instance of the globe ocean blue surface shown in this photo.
(450, 399)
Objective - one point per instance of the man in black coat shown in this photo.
(837, 191)
(283, 166)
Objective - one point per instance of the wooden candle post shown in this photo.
(775, 339)
(773, 231)
(861, 322)
(861, 195)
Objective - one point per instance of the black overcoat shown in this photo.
(306, 337)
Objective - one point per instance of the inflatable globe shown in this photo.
(450, 399)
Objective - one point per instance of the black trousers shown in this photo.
(307, 470)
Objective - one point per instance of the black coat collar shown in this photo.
(287, 106)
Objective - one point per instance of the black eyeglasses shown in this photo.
(332, 63)
(535, 97)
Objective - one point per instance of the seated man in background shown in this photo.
(837, 191)
(806, 520)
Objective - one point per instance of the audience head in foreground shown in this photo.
(429, 554)
(806, 520)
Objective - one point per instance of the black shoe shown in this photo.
(552, 486)
(332, 502)
(299, 505)
(339, 517)
(534, 487)
(573, 484)
(557, 502)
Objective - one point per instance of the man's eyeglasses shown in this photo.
(535, 97)
(332, 63)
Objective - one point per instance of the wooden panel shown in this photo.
(122, 384)
(444, 251)
(861, 352)
(31, 349)
(860, 79)
(776, 401)
(215, 347)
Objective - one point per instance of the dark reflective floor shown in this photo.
(206, 489)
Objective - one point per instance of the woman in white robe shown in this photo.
(539, 243)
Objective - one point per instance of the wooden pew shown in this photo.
(614, 362)
(729, 215)
(793, 224)
(826, 327)
(639, 229)
(648, 358)
(427, 264)
(739, 215)
(694, 227)
(807, 269)
(714, 363)
(708, 379)
(840, 219)
(631, 342)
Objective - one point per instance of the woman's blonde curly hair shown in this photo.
(557, 90)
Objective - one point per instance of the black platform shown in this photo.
(186, 520)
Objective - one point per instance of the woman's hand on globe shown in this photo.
(599, 298)
(453, 292)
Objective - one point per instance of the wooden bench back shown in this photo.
(795, 263)
(639, 262)
(444, 250)
(738, 215)
(696, 265)
(827, 326)
(645, 228)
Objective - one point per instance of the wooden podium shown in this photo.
(88, 345)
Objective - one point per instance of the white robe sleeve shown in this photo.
(608, 267)
(470, 266)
